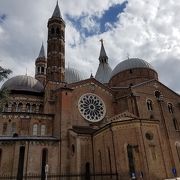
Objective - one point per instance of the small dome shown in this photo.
(23, 83)
(73, 75)
(131, 63)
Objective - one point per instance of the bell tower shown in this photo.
(41, 64)
(56, 47)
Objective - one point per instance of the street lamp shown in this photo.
(46, 170)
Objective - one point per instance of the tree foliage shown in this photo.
(4, 93)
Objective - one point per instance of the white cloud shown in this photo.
(146, 29)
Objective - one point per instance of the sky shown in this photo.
(146, 29)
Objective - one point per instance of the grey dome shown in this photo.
(23, 83)
(73, 75)
(131, 63)
(103, 73)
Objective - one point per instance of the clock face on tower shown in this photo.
(91, 107)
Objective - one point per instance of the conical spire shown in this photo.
(103, 57)
(104, 70)
(57, 12)
(42, 52)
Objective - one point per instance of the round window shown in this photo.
(149, 135)
(91, 107)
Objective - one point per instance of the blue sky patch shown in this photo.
(2, 17)
(111, 15)
(97, 25)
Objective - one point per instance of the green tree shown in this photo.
(4, 93)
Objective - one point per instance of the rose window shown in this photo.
(91, 107)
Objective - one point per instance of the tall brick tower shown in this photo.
(56, 47)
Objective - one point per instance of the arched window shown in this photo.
(44, 162)
(38, 70)
(43, 130)
(57, 31)
(14, 107)
(4, 128)
(110, 162)
(149, 105)
(28, 107)
(100, 161)
(6, 108)
(19, 107)
(0, 157)
(87, 172)
(34, 108)
(13, 128)
(73, 149)
(170, 108)
(52, 30)
(42, 70)
(21, 163)
(40, 108)
(35, 130)
(157, 94)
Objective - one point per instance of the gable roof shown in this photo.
(154, 81)
(90, 80)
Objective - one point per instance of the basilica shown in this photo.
(122, 121)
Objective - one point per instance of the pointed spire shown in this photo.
(103, 73)
(42, 52)
(91, 76)
(57, 12)
(103, 57)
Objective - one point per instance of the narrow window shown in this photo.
(131, 160)
(43, 130)
(42, 70)
(28, 107)
(39, 70)
(13, 128)
(170, 108)
(19, 107)
(4, 128)
(44, 162)
(110, 163)
(21, 163)
(178, 150)
(149, 105)
(40, 108)
(6, 108)
(52, 30)
(0, 157)
(87, 173)
(100, 160)
(14, 107)
(35, 130)
(34, 108)
(176, 125)
(57, 31)
(157, 94)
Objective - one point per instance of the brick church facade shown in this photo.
(121, 121)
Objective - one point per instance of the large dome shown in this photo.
(131, 63)
(23, 83)
(73, 75)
